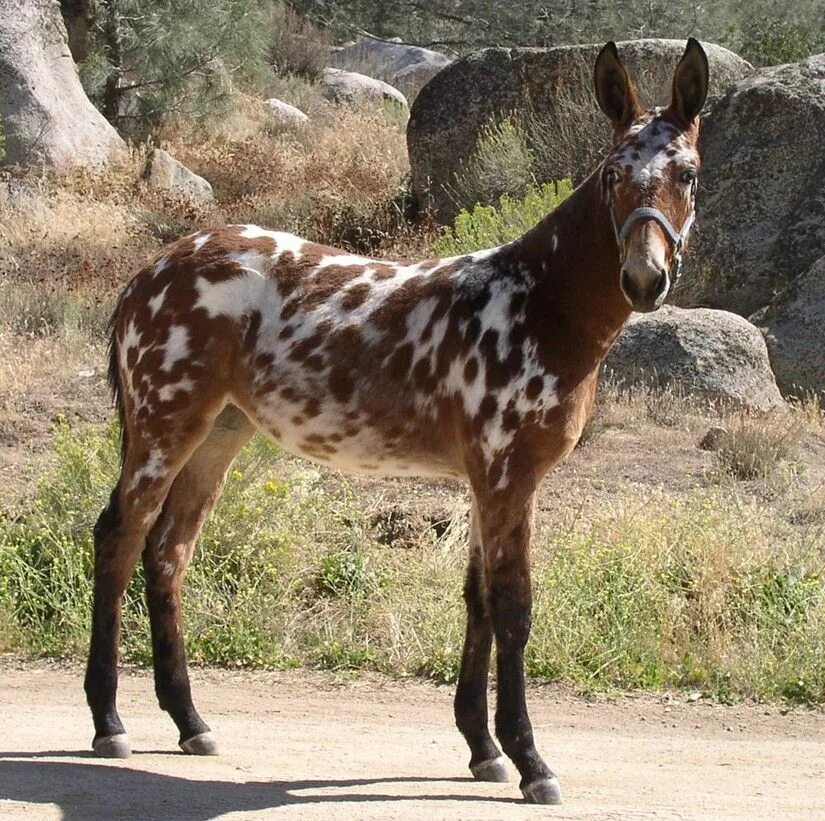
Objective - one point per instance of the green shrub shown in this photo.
(337, 655)
(501, 164)
(769, 41)
(345, 574)
(705, 591)
(171, 57)
(487, 226)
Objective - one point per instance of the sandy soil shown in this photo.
(307, 745)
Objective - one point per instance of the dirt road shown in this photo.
(305, 745)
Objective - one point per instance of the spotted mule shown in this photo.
(481, 367)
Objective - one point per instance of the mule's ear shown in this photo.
(614, 91)
(690, 82)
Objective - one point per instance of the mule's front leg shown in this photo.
(486, 761)
(506, 529)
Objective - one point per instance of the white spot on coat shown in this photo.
(201, 241)
(177, 346)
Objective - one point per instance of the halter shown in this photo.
(677, 238)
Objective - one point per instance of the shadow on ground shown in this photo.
(93, 790)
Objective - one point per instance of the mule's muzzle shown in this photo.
(645, 284)
(647, 297)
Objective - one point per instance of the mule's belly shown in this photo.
(331, 434)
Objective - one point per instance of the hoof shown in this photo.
(113, 746)
(493, 769)
(202, 744)
(543, 791)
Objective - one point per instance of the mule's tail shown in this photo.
(115, 384)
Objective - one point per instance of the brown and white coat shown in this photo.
(481, 367)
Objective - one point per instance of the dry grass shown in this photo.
(758, 446)
(340, 180)
(297, 46)
(87, 231)
(337, 182)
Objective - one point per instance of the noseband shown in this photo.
(677, 238)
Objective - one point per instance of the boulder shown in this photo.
(413, 65)
(286, 112)
(552, 85)
(165, 173)
(349, 87)
(794, 329)
(761, 204)
(47, 118)
(22, 194)
(711, 354)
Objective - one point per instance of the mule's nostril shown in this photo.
(627, 284)
(662, 282)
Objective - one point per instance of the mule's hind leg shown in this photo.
(149, 467)
(486, 761)
(168, 550)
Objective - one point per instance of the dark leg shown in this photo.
(120, 537)
(168, 550)
(101, 673)
(506, 530)
(486, 761)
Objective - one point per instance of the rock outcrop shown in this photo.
(761, 203)
(47, 118)
(794, 329)
(349, 87)
(286, 112)
(545, 84)
(399, 62)
(165, 173)
(712, 354)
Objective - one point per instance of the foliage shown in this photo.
(705, 591)
(296, 46)
(659, 595)
(487, 226)
(471, 24)
(755, 446)
(776, 32)
(501, 163)
(149, 60)
(770, 41)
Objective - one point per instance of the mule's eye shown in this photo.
(611, 177)
(688, 177)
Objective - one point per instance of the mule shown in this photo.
(482, 368)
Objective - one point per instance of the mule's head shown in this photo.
(648, 181)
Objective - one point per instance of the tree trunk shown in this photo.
(79, 17)
(112, 93)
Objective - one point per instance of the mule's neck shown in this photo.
(574, 261)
